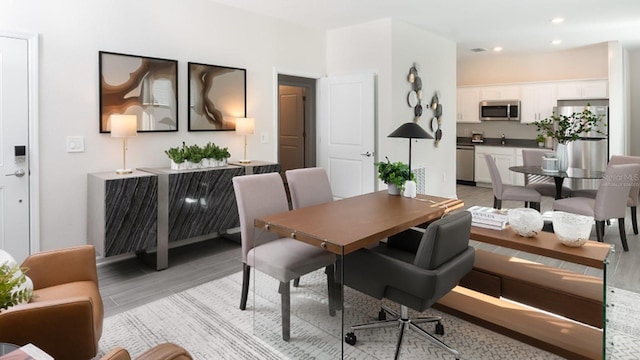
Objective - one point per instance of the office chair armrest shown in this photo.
(382, 271)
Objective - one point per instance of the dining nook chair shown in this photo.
(632, 201)
(284, 259)
(502, 192)
(308, 186)
(610, 201)
(545, 185)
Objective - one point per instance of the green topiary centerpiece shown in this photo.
(396, 173)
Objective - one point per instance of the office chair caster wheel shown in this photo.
(350, 338)
(382, 315)
(439, 328)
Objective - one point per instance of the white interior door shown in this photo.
(14, 148)
(346, 132)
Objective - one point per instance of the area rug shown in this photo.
(207, 322)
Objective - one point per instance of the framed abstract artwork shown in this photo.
(137, 85)
(217, 97)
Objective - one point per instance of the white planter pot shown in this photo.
(180, 166)
(392, 189)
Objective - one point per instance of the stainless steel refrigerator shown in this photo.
(591, 151)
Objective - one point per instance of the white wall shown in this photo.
(496, 68)
(71, 34)
(390, 48)
(634, 103)
(437, 59)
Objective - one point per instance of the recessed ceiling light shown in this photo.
(557, 20)
(556, 42)
(497, 48)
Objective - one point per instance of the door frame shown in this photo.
(33, 138)
(276, 100)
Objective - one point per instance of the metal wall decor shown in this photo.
(414, 99)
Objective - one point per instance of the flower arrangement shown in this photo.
(394, 173)
(565, 129)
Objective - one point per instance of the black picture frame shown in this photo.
(217, 96)
(139, 85)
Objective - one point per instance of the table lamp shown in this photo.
(410, 130)
(245, 126)
(124, 126)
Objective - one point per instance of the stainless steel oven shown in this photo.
(465, 159)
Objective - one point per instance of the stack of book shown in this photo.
(490, 218)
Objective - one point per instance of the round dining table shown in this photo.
(559, 176)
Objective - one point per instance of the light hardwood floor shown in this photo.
(129, 283)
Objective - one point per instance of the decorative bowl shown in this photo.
(572, 229)
(525, 222)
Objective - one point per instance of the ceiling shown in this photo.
(518, 26)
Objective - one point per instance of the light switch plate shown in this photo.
(75, 144)
(264, 138)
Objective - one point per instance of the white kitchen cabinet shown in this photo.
(537, 102)
(500, 93)
(583, 89)
(505, 158)
(468, 99)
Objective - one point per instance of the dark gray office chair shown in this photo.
(414, 269)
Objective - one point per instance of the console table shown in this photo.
(579, 298)
(153, 207)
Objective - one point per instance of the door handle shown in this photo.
(367, 154)
(18, 173)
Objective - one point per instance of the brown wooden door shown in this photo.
(291, 123)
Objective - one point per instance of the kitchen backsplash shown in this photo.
(495, 129)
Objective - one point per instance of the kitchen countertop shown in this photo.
(519, 143)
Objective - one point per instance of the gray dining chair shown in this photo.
(610, 201)
(414, 269)
(545, 185)
(284, 259)
(502, 192)
(632, 201)
(308, 186)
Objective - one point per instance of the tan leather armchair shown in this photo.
(166, 351)
(65, 316)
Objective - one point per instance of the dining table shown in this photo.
(559, 176)
(341, 227)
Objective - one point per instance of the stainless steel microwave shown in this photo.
(500, 110)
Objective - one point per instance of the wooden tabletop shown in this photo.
(547, 244)
(346, 225)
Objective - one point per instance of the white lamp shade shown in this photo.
(244, 126)
(124, 125)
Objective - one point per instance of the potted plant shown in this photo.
(394, 175)
(540, 139)
(176, 155)
(564, 129)
(13, 288)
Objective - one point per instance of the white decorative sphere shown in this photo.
(525, 221)
(572, 229)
